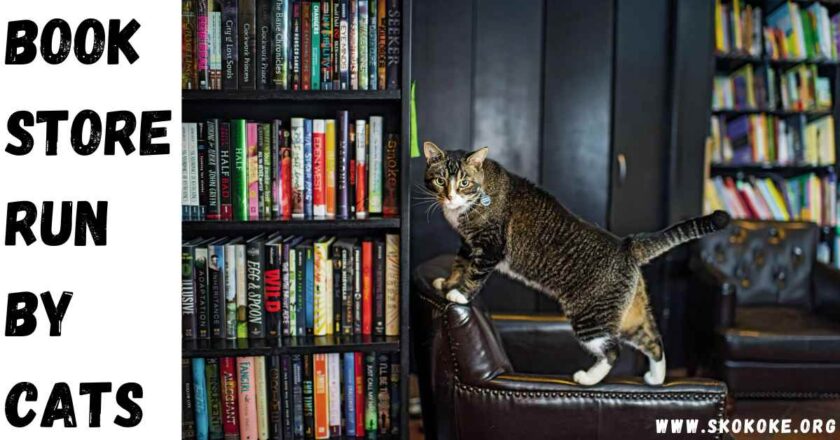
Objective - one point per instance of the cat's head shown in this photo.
(456, 178)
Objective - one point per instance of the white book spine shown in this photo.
(334, 390)
(193, 152)
(361, 166)
(319, 181)
(230, 291)
(375, 166)
(297, 167)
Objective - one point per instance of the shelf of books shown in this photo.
(772, 151)
(294, 208)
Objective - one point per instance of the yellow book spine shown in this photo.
(330, 166)
(320, 304)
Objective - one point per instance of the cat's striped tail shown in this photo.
(647, 246)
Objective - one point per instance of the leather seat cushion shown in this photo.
(781, 334)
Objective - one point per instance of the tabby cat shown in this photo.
(508, 224)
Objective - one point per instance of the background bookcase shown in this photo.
(728, 62)
(394, 105)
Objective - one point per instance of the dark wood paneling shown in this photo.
(507, 83)
(641, 116)
(577, 105)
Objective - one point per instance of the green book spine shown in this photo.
(240, 169)
(315, 82)
(371, 395)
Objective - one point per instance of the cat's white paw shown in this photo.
(583, 378)
(656, 374)
(437, 283)
(457, 297)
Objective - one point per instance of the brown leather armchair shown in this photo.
(472, 389)
(765, 314)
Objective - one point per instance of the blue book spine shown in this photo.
(202, 419)
(307, 168)
(349, 394)
(297, 394)
(310, 290)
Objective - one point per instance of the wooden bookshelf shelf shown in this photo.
(770, 168)
(292, 345)
(291, 95)
(739, 112)
(197, 228)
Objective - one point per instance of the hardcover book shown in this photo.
(367, 287)
(281, 20)
(226, 154)
(239, 129)
(230, 289)
(214, 398)
(230, 398)
(361, 169)
(330, 168)
(297, 395)
(253, 173)
(189, 71)
(379, 288)
(343, 164)
(375, 148)
(216, 279)
(315, 41)
(349, 383)
(261, 396)
(307, 169)
(320, 399)
(334, 393)
(297, 167)
(308, 398)
(201, 45)
(392, 284)
(306, 44)
(384, 395)
(319, 183)
(391, 178)
(187, 402)
(202, 418)
(362, 47)
(394, 46)
(247, 44)
(274, 379)
(265, 44)
(230, 45)
(255, 252)
(371, 395)
(248, 429)
(213, 212)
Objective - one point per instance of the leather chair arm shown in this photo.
(529, 406)
(827, 291)
(713, 283)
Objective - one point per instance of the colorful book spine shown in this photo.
(329, 163)
(285, 184)
(362, 49)
(214, 398)
(306, 44)
(202, 293)
(326, 45)
(319, 181)
(309, 288)
(248, 424)
(187, 401)
(189, 77)
(201, 45)
(272, 280)
(315, 51)
(359, 380)
(373, 45)
(308, 397)
(334, 393)
(361, 169)
(253, 173)
(216, 271)
(375, 148)
(230, 45)
(230, 291)
(201, 169)
(321, 249)
(230, 398)
(392, 284)
(297, 395)
(367, 287)
(357, 289)
(371, 394)
(255, 255)
(241, 292)
(266, 172)
(379, 288)
(320, 396)
(307, 169)
(287, 403)
(300, 290)
(215, 45)
(295, 65)
(348, 380)
(344, 45)
(239, 128)
(281, 23)
(213, 212)
(335, 52)
(297, 168)
(383, 398)
(264, 45)
(382, 44)
(353, 43)
(396, 394)
(186, 183)
(273, 377)
(202, 418)
(226, 155)
(391, 183)
(189, 321)
(261, 397)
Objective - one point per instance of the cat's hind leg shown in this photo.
(638, 329)
(605, 349)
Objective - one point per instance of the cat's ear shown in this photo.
(432, 151)
(476, 158)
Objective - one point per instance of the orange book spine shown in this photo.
(367, 287)
(322, 404)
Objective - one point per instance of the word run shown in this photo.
(22, 215)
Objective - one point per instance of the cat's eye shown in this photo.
(464, 183)
(439, 181)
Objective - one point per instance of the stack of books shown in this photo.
(271, 286)
(808, 197)
(799, 31)
(306, 396)
(291, 44)
(737, 28)
(301, 169)
(769, 140)
(798, 88)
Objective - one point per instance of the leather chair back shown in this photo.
(770, 261)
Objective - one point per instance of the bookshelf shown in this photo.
(266, 105)
(771, 70)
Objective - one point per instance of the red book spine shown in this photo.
(319, 176)
(230, 410)
(201, 46)
(359, 373)
(285, 177)
(306, 44)
(322, 423)
(225, 183)
(367, 287)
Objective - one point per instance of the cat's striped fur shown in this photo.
(509, 224)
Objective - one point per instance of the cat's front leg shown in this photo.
(458, 265)
(480, 265)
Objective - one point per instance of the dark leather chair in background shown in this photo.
(765, 315)
(477, 383)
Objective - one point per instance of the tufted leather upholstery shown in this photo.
(766, 313)
(471, 389)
